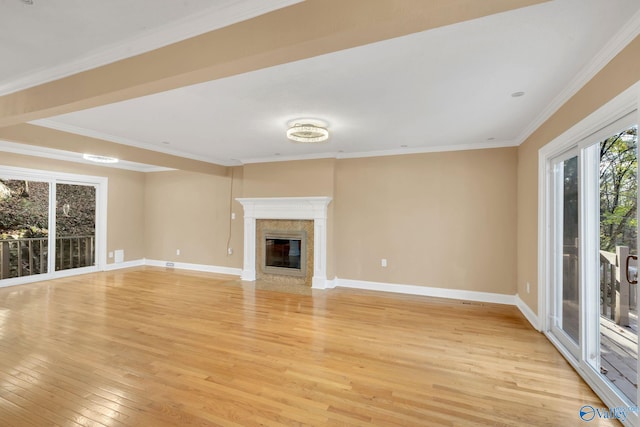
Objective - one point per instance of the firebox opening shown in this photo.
(285, 253)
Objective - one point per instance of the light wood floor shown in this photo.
(151, 347)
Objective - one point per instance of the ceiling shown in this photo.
(447, 88)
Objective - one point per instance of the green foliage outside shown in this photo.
(619, 191)
(24, 209)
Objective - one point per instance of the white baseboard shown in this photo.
(324, 283)
(126, 264)
(330, 284)
(528, 313)
(196, 267)
(429, 291)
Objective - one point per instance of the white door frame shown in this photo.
(583, 134)
(52, 178)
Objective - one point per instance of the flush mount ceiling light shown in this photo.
(99, 159)
(307, 131)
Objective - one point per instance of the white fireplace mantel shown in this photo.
(314, 208)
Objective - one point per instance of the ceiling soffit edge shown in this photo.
(165, 35)
(304, 39)
(59, 140)
(67, 156)
(63, 127)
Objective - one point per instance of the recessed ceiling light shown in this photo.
(517, 94)
(491, 139)
(404, 146)
(99, 159)
(307, 131)
(166, 142)
(276, 154)
(29, 2)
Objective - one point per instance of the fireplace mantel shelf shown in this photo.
(313, 208)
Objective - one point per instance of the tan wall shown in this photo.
(621, 73)
(125, 205)
(289, 179)
(303, 178)
(440, 219)
(190, 211)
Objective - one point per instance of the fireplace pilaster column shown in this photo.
(320, 248)
(249, 268)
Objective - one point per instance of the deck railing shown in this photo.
(617, 297)
(29, 256)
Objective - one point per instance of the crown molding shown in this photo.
(69, 156)
(614, 46)
(422, 150)
(273, 159)
(219, 16)
(380, 153)
(270, 159)
(51, 124)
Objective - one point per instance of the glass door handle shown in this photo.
(626, 269)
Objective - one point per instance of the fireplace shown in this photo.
(284, 252)
(312, 211)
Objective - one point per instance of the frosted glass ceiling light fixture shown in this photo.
(99, 159)
(307, 131)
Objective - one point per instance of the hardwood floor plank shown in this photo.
(151, 346)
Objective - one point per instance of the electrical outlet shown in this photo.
(111, 254)
(528, 288)
(233, 215)
(178, 252)
(383, 262)
(229, 251)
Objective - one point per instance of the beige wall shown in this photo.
(440, 219)
(303, 178)
(125, 205)
(289, 179)
(190, 211)
(621, 73)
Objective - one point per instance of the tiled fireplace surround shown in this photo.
(287, 208)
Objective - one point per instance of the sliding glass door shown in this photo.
(49, 224)
(24, 224)
(75, 226)
(592, 296)
(566, 296)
